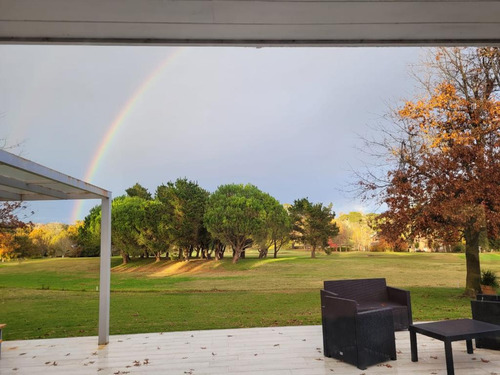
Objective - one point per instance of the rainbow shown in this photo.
(119, 120)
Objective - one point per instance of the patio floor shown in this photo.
(266, 351)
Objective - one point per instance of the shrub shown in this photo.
(489, 278)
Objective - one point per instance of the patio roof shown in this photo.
(24, 180)
(251, 23)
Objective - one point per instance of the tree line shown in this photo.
(182, 220)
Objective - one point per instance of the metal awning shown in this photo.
(24, 180)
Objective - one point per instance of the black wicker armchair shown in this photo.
(361, 338)
(372, 294)
(487, 309)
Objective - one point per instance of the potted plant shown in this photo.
(489, 282)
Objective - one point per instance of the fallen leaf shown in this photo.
(484, 360)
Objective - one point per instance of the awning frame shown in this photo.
(24, 180)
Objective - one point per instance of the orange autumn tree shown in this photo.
(445, 179)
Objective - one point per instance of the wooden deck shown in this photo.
(265, 351)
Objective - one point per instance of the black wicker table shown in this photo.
(449, 331)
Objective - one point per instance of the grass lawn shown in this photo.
(58, 297)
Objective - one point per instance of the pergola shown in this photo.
(24, 180)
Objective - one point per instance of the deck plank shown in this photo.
(263, 351)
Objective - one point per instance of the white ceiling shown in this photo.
(250, 22)
(24, 180)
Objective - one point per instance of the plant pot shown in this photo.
(487, 289)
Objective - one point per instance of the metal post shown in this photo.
(105, 271)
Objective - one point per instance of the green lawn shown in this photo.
(58, 297)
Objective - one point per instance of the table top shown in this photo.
(458, 329)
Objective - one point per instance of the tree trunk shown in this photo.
(275, 250)
(313, 252)
(263, 252)
(125, 257)
(473, 278)
(237, 254)
(157, 256)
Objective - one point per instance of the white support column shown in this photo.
(105, 271)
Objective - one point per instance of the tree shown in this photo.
(138, 191)
(277, 227)
(89, 233)
(356, 225)
(8, 246)
(444, 180)
(154, 234)
(126, 224)
(234, 214)
(10, 221)
(185, 204)
(312, 223)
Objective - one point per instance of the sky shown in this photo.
(287, 120)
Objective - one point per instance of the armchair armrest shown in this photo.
(402, 297)
(398, 295)
(375, 330)
(337, 307)
(372, 318)
(330, 293)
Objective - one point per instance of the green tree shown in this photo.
(236, 213)
(154, 234)
(89, 234)
(138, 191)
(126, 226)
(185, 204)
(312, 223)
(276, 230)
